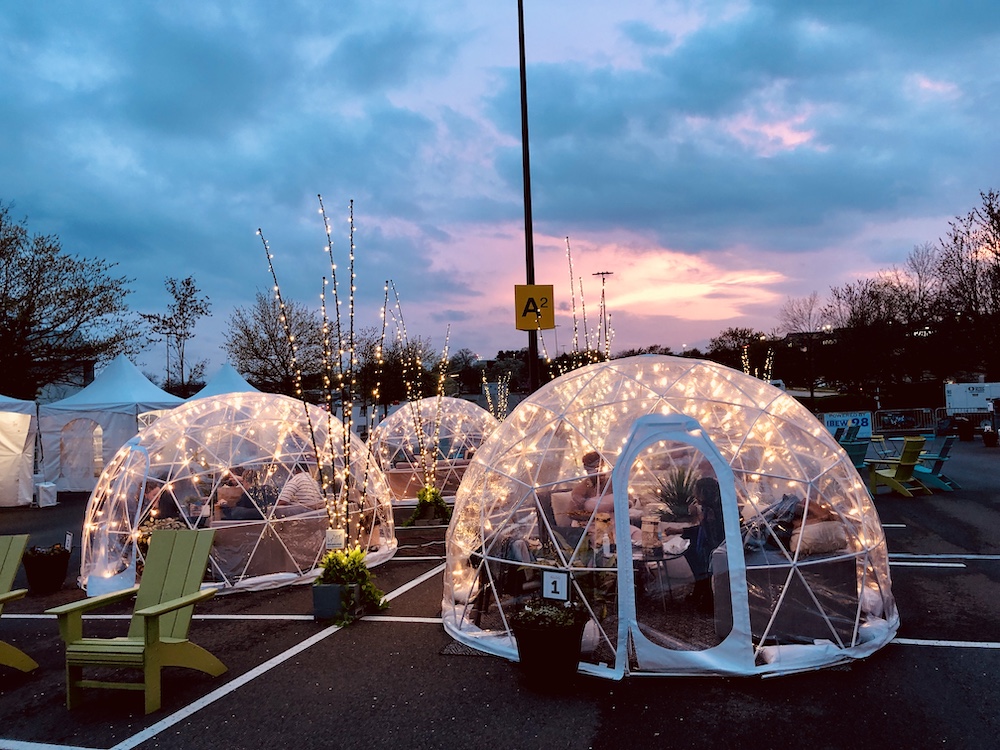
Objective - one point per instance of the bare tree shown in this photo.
(58, 312)
(969, 264)
(258, 347)
(177, 328)
(801, 314)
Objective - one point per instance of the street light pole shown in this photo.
(529, 245)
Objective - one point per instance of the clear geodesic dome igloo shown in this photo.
(433, 437)
(706, 522)
(263, 472)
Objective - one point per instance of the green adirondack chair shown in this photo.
(11, 551)
(157, 636)
(897, 474)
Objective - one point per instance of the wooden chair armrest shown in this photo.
(933, 457)
(151, 615)
(158, 610)
(882, 461)
(94, 602)
(71, 615)
(12, 595)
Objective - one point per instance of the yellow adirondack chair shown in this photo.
(157, 636)
(897, 474)
(11, 551)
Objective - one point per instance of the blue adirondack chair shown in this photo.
(928, 471)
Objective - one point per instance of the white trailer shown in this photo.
(960, 398)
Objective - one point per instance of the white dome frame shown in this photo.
(401, 444)
(764, 449)
(191, 451)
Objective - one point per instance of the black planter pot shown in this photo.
(46, 573)
(549, 655)
(330, 601)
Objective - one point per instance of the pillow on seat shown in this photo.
(819, 538)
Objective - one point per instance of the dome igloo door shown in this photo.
(680, 498)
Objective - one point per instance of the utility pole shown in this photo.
(529, 244)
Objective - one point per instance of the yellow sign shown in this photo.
(533, 307)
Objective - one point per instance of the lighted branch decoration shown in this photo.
(429, 498)
(498, 408)
(336, 519)
(350, 496)
(768, 363)
(340, 490)
(591, 349)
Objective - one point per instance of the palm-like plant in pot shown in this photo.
(677, 492)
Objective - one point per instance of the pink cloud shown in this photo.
(923, 87)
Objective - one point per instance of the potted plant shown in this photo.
(430, 507)
(549, 634)
(46, 568)
(677, 493)
(345, 587)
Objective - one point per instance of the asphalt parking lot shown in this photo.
(397, 679)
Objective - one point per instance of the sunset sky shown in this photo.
(715, 157)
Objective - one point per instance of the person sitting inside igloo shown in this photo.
(234, 498)
(300, 494)
(593, 496)
(704, 539)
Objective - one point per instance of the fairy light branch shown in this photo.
(293, 352)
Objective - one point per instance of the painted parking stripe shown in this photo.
(948, 556)
(21, 745)
(915, 564)
(253, 674)
(945, 644)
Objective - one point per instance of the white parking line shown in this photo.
(20, 745)
(945, 644)
(948, 556)
(237, 683)
(253, 674)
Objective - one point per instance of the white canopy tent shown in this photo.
(18, 428)
(226, 380)
(81, 433)
(574, 498)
